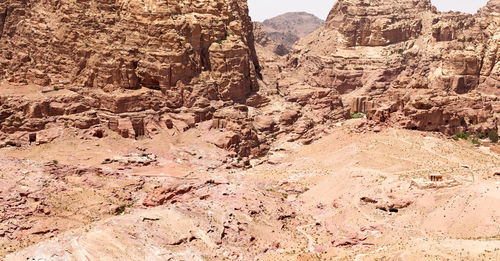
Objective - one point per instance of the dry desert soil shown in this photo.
(181, 130)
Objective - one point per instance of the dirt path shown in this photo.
(310, 239)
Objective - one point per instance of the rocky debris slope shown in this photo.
(409, 63)
(281, 32)
(39, 201)
(192, 219)
(347, 197)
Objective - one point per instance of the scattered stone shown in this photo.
(134, 159)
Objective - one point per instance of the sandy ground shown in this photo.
(348, 196)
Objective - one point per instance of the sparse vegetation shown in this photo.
(493, 136)
(461, 135)
(358, 115)
(481, 136)
(120, 210)
(475, 139)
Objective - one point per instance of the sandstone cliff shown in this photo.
(129, 44)
(124, 64)
(418, 67)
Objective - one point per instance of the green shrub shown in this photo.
(358, 115)
(120, 210)
(475, 142)
(461, 135)
(493, 136)
(481, 136)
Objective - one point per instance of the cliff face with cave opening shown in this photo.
(120, 64)
(129, 45)
(413, 65)
(138, 67)
(166, 144)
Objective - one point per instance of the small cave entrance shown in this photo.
(151, 83)
(205, 59)
(32, 137)
(99, 134)
(138, 126)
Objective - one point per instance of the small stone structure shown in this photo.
(436, 177)
(219, 123)
(128, 127)
(361, 104)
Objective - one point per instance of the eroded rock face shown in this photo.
(131, 66)
(31, 196)
(397, 52)
(377, 23)
(126, 44)
(280, 33)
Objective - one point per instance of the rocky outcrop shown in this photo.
(434, 111)
(31, 201)
(397, 52)
(127, 45)
(265, 42)
(281, 32)
(131, 66)
(377, 23)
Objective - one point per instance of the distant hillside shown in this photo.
(285, 30)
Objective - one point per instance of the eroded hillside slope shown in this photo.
(349, 196)
(279, 33)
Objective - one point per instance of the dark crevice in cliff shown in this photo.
(3, 18)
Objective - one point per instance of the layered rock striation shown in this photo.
(423, 69)
(129, 66)
(132, 44)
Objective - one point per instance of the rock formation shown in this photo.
(281, 32)
(136, 68)
(156, 130)
(131, 66)
(130, 45)
(423, 69)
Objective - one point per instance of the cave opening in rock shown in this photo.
(32, 137)
(151, 83)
